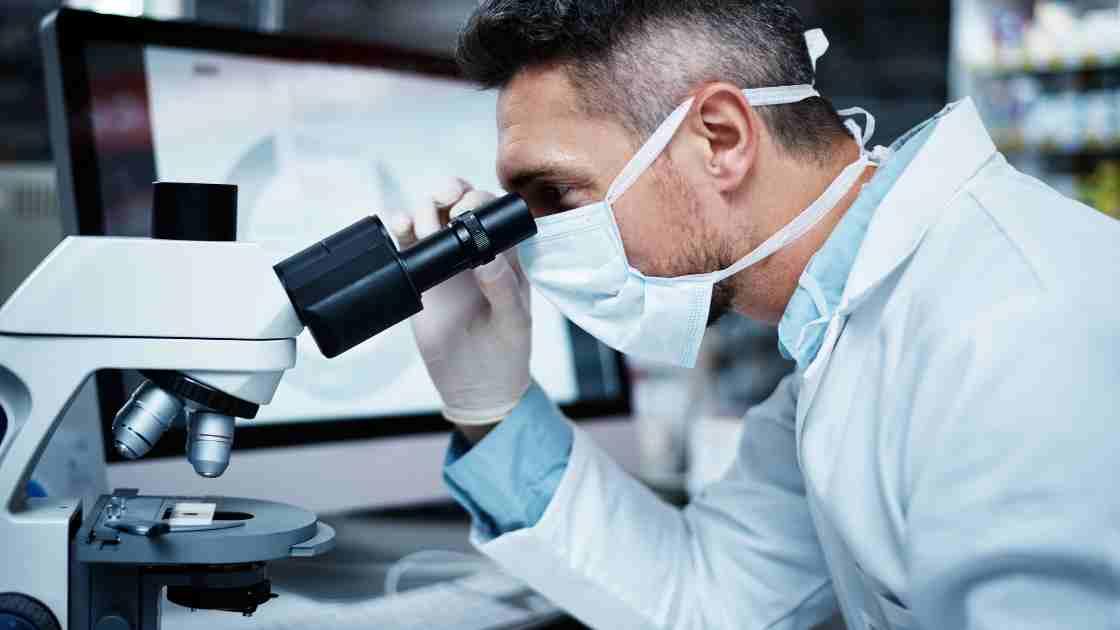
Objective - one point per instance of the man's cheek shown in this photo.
(645, 252)
(646, 236)
(632, 242)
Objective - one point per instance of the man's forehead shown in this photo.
(539, 93)
(544, 126)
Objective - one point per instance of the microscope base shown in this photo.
(37, 562)
(130, 553)
(129, 597)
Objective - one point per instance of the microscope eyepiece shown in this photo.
(355, 284)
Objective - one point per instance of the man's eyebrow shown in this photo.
(525, 177)
(529, 175)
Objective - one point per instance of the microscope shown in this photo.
(211, 326)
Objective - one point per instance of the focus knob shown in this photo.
(20, 612)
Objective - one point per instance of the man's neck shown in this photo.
(763, 291)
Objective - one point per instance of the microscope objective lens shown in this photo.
(142, 420)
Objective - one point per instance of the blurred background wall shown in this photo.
(1045, 73)
(889, 56)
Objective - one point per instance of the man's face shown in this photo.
(559, 157)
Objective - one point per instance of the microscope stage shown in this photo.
(241, 531)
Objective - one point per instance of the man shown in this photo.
(944, 456)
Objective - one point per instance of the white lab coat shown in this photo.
(950, 460)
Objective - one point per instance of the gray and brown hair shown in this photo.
(639, 59)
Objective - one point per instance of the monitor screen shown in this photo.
(316, 134)
(313, 148)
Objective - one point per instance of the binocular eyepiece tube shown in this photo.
(345, 290)
(355, 284)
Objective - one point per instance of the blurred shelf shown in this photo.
(1011, 144)
(1074, 65)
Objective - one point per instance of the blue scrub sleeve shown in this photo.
(507, 480)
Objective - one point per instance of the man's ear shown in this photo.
(726, 129)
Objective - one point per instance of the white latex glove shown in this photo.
(474, 331)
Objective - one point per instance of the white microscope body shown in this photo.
(213, 312)
(212, 327)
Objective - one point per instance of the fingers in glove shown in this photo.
(450, 194)
(515, 262)
(427, 221)
(471, 200)
(433, 217)
(404, 230)
(501, 285)
(453, 199)
(501, 279)
(507, 263)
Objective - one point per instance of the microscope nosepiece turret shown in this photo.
(160, 399)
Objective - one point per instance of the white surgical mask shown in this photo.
(577, 260)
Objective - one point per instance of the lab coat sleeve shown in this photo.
(744, 555)
(1014, 516)
(507, 480)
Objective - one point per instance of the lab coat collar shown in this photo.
(959, 147)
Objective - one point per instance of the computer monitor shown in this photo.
(316, 133)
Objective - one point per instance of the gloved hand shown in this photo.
(474, 331)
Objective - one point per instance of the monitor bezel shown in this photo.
(66, 33)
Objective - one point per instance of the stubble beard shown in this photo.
(701, 258)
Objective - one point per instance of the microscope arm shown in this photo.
(38, 386)
(40, 377)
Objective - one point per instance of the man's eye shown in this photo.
(548, 199)
(553, 196)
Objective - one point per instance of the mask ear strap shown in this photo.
(784, 95)
(804, 222)
(862, 136)
(817, 43)
(648, 154)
